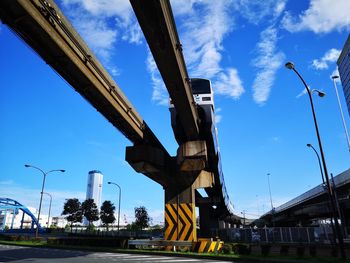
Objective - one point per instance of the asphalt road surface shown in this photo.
(29, 254)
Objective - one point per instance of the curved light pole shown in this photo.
(329, 196)
(338, 233)
(42, 190)
(48, 219)
(319, 161)
(341, 111)
(120, 196)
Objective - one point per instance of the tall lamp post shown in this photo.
(120, 196)
(290, 65)
(319, 161)
(272, 210)
(42, 190)
(48, 218)
(341, 110)
(268, 181)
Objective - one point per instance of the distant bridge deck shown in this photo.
(313, 204)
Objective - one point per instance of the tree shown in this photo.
(72, 208)
(90, 211)
(142, 218)
(107, 213)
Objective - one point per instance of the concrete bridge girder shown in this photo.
(192, 156)
(180, 176)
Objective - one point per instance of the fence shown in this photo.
(308, 235)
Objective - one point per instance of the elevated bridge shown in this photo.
(43, 26)
(313, 205)
(8, 205)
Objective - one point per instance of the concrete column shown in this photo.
(221, 224)
(180, 214)
(206, 220)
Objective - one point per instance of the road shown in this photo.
(26, 254)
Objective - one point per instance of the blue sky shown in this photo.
(264, 118)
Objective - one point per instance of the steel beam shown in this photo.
(157, 23)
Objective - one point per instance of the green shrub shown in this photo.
(227, 249)
(312, 251)
(284, 250)
(52, 241)
(300, 251)
(12, 238)
(265, 250)
(241, 249)
(20, 238)
(36, 239)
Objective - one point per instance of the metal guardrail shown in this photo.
(159, 243)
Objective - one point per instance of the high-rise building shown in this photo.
(94, 187)
(344, 71)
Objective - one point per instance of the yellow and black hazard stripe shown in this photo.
(207, 245)
(180, 222)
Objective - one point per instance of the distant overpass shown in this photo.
(313, 205)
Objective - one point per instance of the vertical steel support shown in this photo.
(13, 218)
(22, 219)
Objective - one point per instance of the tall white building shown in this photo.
(94, 187)
(94, 190)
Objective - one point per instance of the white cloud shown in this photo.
(30, 197)
(202, 27)
(105, 8)
(229, 84)
(322, 16)
(202, 33)
(257, 10)
(218, 116)
(182, 7)
(101, 23)
(276, 139)
(6, 182)
(97, 34)
(267, 63)
(335, 73)
(302, 93)
(331, 56)
(159, 94)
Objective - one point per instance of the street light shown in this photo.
(42, 190)
(291, 66)
(319, 161)
(341, 111)
(272, 210)
(268, 181)
(48, 219)
(120, 196)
